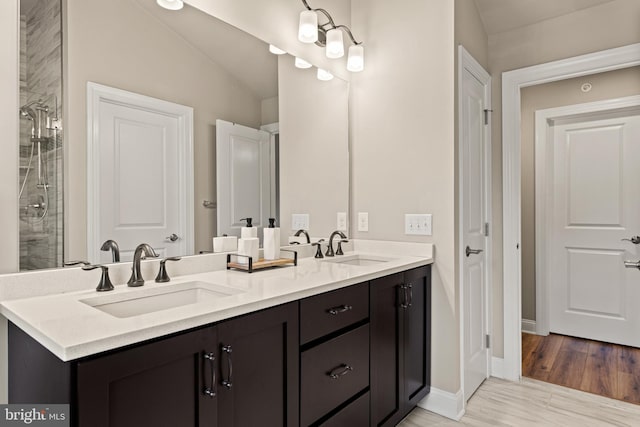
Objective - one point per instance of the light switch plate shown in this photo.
(418, 224)
(363, 221)
(341, 221)
(300, 222)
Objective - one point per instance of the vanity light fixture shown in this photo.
(324, 75)
(329, 36)
(276, 50)
(171, 4)
(301, 63)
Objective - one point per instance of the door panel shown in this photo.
(596, 203)
(244, 176)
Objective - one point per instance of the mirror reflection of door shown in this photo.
(245, 176)
(139, 189)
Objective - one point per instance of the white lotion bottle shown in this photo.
(271, 244)
(248, 231)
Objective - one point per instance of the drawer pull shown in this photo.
(340, 371)
(210, 391)
(228, 383)
(339, 309)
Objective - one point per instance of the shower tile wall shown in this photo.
(41, 241)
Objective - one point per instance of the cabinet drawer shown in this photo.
(325, 313)
(356, 414)
(347, 358)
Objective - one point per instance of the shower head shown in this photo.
(27, 112)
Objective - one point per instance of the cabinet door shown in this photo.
(417, 336)
(157, 384)
(259, 369)
(386, 324)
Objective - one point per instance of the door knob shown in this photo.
(635, 240)
(470, 251)
(173, 237)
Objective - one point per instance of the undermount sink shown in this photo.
(151, 299)
(358, 260)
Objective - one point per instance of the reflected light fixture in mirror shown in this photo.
(276, 50)
(301, 63)
(171, 4)
(324, 75)
(329, 36)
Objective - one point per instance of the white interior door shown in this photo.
(596, 204)
(244, 176)
(141, 181)
(474, 206)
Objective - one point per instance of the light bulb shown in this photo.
(301, 63)
(324, 75)
(308, 29)
(335, 45)
(171, 4)
(276, 50)
(355, 62)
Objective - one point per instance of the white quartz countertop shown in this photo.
(72, 329)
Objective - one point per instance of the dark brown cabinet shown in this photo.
(400, 322)
(240, 372)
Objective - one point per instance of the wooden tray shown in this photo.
(252, 265)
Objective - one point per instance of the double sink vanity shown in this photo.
(341, 341)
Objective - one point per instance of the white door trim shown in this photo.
(512, 82)
(544, 119)
(97, 94)
(468, 62)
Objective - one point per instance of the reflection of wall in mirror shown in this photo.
(314, 170)
(120, 44)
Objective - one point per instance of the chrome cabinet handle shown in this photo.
(405, 299)
(470, 251)
(210, 391)
(228, 383)
(632, 264)
(340, 371)
(410, 299)
(172, 238)
(340, 309)
(635, 240)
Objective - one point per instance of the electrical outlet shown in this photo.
(341, 221)
(363, 221)
(418, 224)
(300, 222)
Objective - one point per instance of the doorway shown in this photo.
(512, 83)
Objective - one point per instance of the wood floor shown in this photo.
(532, 403)
(605, 369)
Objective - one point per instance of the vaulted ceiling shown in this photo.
(504, 15)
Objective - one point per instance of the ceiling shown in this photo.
(504, 15)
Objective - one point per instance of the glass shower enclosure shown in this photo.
(41, 161)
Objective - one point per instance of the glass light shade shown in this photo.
(276, 50)
(308, 29)
(355, 62)
(335, 45)
(301, 63)
(324, 75)
(171, 4)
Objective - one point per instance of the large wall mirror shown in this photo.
(185, 57)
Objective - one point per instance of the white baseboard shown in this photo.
(528, 326)
(450, 405)
(497, 367)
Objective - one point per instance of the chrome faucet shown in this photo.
(334, 234)
(302, 231)
(111, 245)
(143, 250)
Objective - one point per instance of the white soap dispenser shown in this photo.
(271, 244)
(248, 231)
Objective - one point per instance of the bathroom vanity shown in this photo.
(336, 342)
